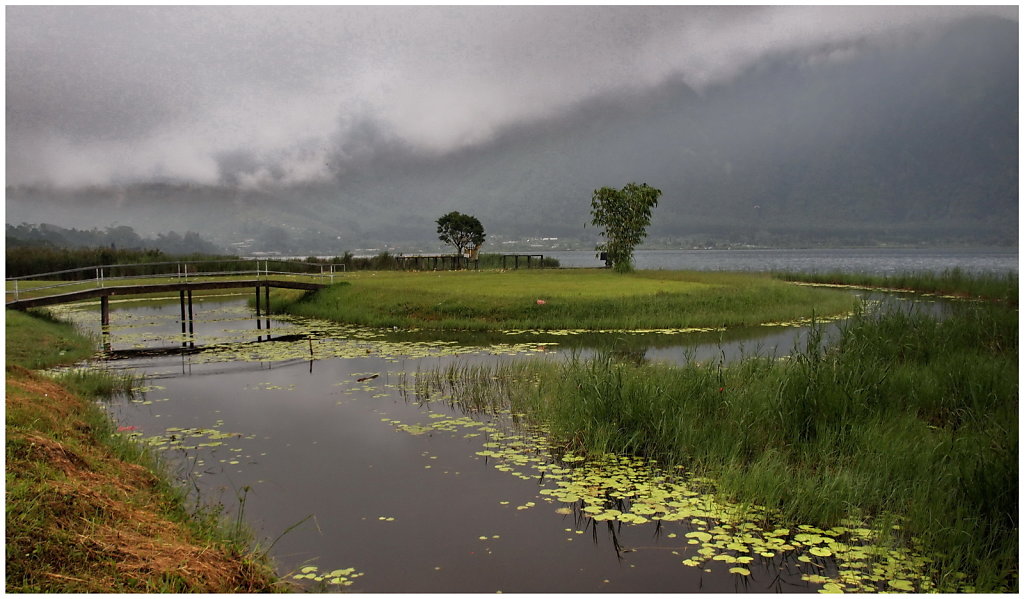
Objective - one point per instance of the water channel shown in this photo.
(314, 428)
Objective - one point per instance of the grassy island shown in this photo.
(592, 299)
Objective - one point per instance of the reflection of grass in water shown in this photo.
(576, 299)
(903, 417)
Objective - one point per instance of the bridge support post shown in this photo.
(191, 331)
(181, 299)
(266, 310)
(105, 321)
(259, 322)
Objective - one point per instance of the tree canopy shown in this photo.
(461, 230)
(623, 215)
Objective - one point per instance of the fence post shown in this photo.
(16, 296)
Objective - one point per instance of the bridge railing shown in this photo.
(184, 271)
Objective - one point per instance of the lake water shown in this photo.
(323, 428)
(883, 261)
(394, 483)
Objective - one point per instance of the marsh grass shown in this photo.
(569, 299)
(902, 418)
(97, 384)
(86, 510)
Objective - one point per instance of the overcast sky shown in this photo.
(251, 96)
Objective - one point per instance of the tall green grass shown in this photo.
(566, 299)
(902, 416)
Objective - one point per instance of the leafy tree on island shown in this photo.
(461, 230)
(624, 215)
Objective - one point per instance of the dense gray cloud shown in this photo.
(250, 96)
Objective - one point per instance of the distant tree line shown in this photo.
(27, 260)
(388, 261)
(120, 237)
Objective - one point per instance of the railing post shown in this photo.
(16, 296)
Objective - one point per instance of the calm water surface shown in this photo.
(421, 512)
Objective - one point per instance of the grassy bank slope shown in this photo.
(84, 511)
(569, 299)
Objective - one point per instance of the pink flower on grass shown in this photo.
(541, 302)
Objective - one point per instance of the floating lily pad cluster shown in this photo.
(803, 322)
(443, 424)
(569, 332)
(622, 490)
(196, 439)
(188, 438)
(270, 387)
(344, 577)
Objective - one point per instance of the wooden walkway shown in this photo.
(181, 287)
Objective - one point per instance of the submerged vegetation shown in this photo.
(904, 421)
(565, 299)
(85, 511)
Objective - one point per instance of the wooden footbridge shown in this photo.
(104, 282)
